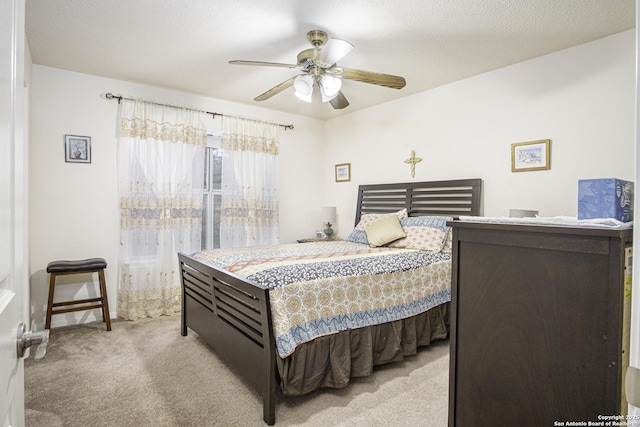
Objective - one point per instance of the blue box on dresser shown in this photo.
(605, 198)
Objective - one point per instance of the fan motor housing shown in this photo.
(317, 37)
(306, 59)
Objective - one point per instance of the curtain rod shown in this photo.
(109, 95)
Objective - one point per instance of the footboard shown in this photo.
(233, 316)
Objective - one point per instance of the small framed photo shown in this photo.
(77, 149)
(320, 235)
(531, 156)
(343, 172)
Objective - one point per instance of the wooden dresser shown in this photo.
(539, 328)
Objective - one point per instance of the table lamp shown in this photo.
(328, 214)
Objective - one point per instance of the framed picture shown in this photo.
(531, 156)
(77, 149)
(343, 172)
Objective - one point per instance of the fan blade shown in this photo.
(394, 82)
(264, 64)
(339, 102)
(275, 90)
(333, 51)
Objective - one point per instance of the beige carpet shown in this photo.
(145, 373)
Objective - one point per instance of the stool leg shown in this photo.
(52, 284)
(105, 300)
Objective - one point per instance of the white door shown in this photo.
(13, 216)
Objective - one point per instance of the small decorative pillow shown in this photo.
(359, 236)
(426, 233)
(383, 231)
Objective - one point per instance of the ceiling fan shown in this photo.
(319, 68)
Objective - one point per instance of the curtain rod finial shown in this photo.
(109, 95)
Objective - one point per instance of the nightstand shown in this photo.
(316, 239)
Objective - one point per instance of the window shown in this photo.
(212, 191)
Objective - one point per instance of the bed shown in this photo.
(251, 307)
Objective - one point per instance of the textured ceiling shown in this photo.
(186, 44)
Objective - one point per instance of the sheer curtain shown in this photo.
(249, 214)
(160, 178)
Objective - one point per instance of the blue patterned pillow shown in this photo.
(439, 222)
(358, 236)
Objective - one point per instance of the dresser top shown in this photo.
(522, 225)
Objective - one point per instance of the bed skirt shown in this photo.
(330, 361)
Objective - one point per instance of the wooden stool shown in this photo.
(84, 266)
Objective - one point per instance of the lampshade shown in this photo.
(304, 87)
(328, 214)
(329, 87)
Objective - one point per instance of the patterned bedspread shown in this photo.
(321, 288)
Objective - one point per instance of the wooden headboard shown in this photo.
(443, 198)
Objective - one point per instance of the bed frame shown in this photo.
(233, 314)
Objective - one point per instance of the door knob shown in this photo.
(29, 339)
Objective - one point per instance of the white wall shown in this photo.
(581, 98)
(74, 207)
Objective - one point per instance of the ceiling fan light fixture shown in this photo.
(319, 66)
(303, 86)
(329, 87)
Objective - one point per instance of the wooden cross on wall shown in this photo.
(412, 161)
